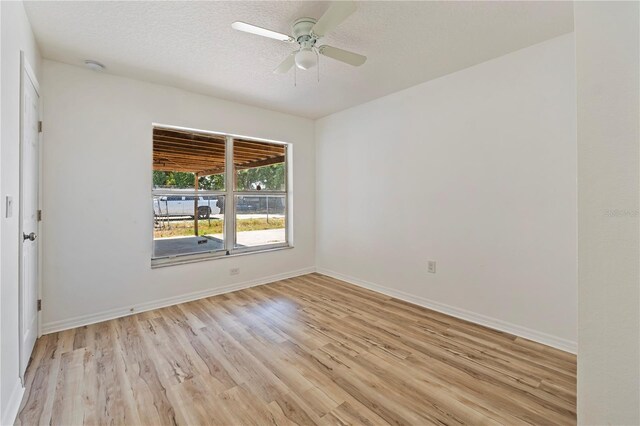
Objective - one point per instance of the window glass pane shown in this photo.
(177, 232)
(260, 220)
(180, 155)
(211, 182)
(259, 166)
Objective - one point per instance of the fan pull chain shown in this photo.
(318, 56)
(295, 76)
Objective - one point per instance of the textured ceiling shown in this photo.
(191, 44)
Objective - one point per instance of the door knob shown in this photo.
(31, 237)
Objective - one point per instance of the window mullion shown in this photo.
(229, 203)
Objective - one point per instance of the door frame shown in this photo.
(26, 72)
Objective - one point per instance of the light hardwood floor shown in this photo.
(307, 350)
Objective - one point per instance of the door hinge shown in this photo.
(39, 126)
(39, 305)
(39, 215)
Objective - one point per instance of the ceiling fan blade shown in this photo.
(342, 55)
(253, 29)
(286, 65)
(337, 12)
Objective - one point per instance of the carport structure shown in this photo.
(204, 154)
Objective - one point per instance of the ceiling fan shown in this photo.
(306, 34)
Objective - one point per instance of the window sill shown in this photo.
(202, 257)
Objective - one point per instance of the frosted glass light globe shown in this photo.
(305, 59)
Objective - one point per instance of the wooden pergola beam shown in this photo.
(244, 166)
(209, 172)
(238, 145)
(190, 137)
(200, 151)
(187, 134)
(260, 163)
(253, 151)
(186, 152)
(204, 154)
(259, 145)
(187, 143)
(173, 169)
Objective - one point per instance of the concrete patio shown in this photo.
(173, 246)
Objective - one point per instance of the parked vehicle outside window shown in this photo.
(166, 206)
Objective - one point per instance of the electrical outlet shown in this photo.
(234, 271)
(431, 266)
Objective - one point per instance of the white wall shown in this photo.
(476, 170)
(608, 72)
(97, 180)
(16, 36)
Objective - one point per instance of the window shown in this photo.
(216, 195)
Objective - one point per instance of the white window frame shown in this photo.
(230, 193)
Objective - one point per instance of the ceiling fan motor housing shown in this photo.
(302, 30)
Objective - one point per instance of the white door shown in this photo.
(29, 179)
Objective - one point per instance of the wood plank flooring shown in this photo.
(307, 350)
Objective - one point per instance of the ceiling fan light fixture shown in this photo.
(306, 58)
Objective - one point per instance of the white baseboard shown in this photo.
(11, 411)
(536, 336)
(79, 321)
